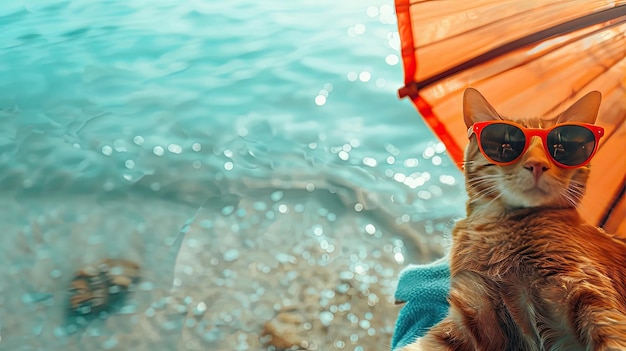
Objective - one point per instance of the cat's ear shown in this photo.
(584, 110)
(476, 108)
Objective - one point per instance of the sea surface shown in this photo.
(249, 155)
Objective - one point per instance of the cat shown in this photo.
(527, 273)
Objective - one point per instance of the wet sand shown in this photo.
(239, 273)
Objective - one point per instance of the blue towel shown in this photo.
(424, 289)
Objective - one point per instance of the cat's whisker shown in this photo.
(485, 179)
(569, 200)
(576, 191)
(487, 176)
(482, 185)
(493, 200)
(573, 196)
(579, 188)
(486, 194)
(576, 188)
(485, 183)
(487, 191)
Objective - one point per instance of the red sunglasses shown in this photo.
(569, 145)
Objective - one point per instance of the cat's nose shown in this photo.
(536, 168)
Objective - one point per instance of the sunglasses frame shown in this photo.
(478, 127)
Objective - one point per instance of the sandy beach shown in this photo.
(238, 273)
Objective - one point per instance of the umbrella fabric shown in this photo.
(529, 58)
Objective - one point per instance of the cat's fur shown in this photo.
(527, 273)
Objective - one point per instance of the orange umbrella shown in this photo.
(529, 58)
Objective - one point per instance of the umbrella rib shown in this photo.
(563, 28)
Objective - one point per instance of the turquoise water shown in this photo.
(276, 123)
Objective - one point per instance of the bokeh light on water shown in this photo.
(251, 157)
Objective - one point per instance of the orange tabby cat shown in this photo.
(527, 273)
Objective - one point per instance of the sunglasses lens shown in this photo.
(571, 145)
(502, 142)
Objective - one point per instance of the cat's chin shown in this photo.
(525, 192)
(529, 198)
